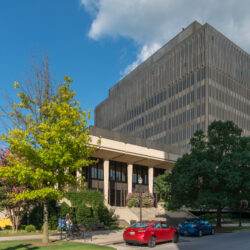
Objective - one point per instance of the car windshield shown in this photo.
(191, 220)
(140, 225)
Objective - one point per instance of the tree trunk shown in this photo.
(218, 220)
(45, 222)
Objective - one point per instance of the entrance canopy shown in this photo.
(124, 148)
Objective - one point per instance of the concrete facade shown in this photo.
(121, 162)
(197, 77)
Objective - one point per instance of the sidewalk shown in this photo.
(105, 237)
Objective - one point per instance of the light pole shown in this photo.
(140, 182)
(240, 225)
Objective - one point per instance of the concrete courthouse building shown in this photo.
(150, 115)
(197, 77)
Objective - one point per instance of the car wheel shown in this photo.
(127, 243)
(200, 233)
(176, 238)
(212, 231)
(152, 242)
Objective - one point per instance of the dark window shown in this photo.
(203, 91)
(198, 93)
(199, 111)
(184, 100)
(192, 79)
(188, 98)
(192, 96)
(203, 109)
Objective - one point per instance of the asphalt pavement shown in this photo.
(239, 240)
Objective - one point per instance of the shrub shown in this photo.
(147, 200)
(8, 227)
(83, 214)
(89, 197)
(36, 217)
(133, 199)
(64, 209)
(30, 228)
(53, 222)
(103, 214)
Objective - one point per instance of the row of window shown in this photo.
(155, 115)
(136, 124)
(230, 100)
(185, 133)
(186, 82)
(156, 129)
(117, 172)
(155, 100)
(186, 116)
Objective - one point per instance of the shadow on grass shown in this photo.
(21, 246)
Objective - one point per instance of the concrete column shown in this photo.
(79, 179)
(106, 180)
(130, 176)
(150, 179)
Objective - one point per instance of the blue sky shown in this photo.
(97, 42)
(61, 28)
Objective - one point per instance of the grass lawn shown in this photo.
(6, 233)
(22, 245)
(230, 229)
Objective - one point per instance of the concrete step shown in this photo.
(126, 215)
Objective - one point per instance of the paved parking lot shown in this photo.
(220, 241)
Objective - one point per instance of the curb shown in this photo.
(109, 243)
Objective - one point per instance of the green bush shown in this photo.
(30, 228)
(36, 217)
(64, 209)
(103, 214)
(89, 197)
(8, 228)
(53, 222)
(133, 199)
(147, 200)
(83, 214)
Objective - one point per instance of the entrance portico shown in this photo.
(123, 161)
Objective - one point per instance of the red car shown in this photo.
(150, 232)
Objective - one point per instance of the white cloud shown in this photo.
(151, 23)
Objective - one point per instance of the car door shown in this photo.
(167, 232)
(202, 227)
(157, 231)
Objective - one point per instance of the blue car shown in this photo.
(195, 226)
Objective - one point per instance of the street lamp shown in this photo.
(240, 225)
(140, 182)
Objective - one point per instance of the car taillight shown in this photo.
(141, 231)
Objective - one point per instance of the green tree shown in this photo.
(51, 135)
(211, 176)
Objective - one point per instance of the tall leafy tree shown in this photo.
(9, 188)
(214, 173)
(51, 135)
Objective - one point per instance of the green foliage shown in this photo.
(8, 228)
(89, 197)
(133, 199)
(36, 217)
(215, 174)
(84, 214)
(147, 200)
(50, 135)
(103, 214)
(64, 209)
(30, 228)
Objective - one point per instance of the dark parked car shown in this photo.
(195, 226)
(150, 232)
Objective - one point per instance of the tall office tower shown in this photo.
(197, 77)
